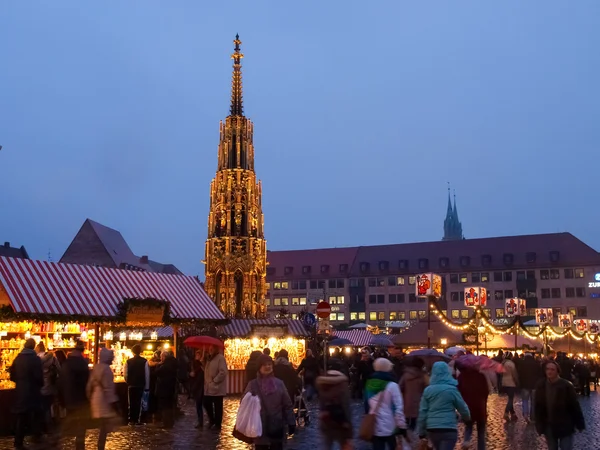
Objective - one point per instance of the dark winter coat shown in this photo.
(334, 403)
(197, 380)
(311, 368)
(166, 379)
(530, 372)
(473, 386)
(412, 384)
(286, 373)
(27, 373)
(51, 371)
(74, 375)
(566, 415)
(276, 411)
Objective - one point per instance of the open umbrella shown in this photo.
(451, 351)
(360, 326)
(340, 342)
(429, 356)
(203, 341)
(381, 341)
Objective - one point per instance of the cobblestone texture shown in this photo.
(501, 435)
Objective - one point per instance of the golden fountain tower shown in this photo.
(235, 264)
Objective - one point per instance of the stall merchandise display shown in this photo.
(237, 351)
(54, 335)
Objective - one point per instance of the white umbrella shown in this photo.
(451, 351)
(359, 326)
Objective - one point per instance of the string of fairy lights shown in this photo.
(516, 326)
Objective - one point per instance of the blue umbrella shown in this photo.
(340, 342)
(381, 341)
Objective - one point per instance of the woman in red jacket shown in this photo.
(473, 386)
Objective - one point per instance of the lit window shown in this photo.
(333, 316)
(277, 301)
(422, 314)
(381, 315)
(573, 311)
(485, 277)
(285, 301)
(488, 312)
(579, 273)
(372, 315)
(268, 302)
(463, 278)
(341, 316)
(277, 285)
(401, 315)
(393, 315)
(295, 301)
(285, 285)
(268, 286)
(361, 316)
(411, 280)
(464, 313)
(303, 300)
(499, 312)
(456, 314)
(294, 316)
(400, 281)
(353, 316)
(412, 315)
(336, 300)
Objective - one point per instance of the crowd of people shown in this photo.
(412, 403)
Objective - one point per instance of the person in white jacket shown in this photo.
(385, 401)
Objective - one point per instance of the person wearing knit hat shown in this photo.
(384, 400)
(277, 415)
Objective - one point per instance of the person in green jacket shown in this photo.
(437, 412)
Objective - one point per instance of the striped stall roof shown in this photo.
(243, 327)
(360, 338)
(40, 287)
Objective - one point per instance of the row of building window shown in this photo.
(454, 278)
(301, 301)
(422, 263)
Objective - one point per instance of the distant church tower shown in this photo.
(235, 264)
(452, 226)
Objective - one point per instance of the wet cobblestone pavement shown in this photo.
(501, 435)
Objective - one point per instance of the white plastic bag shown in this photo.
(248, 421)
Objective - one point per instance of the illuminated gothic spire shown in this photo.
(237, 107)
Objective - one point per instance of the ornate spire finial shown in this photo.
(236, 108)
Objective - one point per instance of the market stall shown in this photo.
(60, 303)
(243, 336)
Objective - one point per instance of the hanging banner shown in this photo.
(581, 325)
(565, 320)
(429, 285)
(544, 315)
(515, 307)
(475, 296)
(594, 327)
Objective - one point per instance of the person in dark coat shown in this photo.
(285, 372)
(28, 375)
(309, 368)
(197, 385)
(166, 385)
(251, 366)
(73, 379)
(473, 386)
(137, 377)
(364, 370)
(530, 373)
(335, 413)
(557, 411)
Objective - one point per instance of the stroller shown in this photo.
(300, 408)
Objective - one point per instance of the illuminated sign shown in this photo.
(596, 283)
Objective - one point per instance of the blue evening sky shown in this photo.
(363, 111)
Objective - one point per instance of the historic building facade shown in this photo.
(235, 261)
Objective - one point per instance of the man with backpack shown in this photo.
(334, 402)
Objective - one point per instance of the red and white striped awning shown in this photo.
(359, 338)
(243, 327)
(41, 287)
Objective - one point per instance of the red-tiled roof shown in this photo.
(333, 258)
(40, 287)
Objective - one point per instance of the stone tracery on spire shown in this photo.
(237, 107)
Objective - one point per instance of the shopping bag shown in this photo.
(145, 399)
(248, 423)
